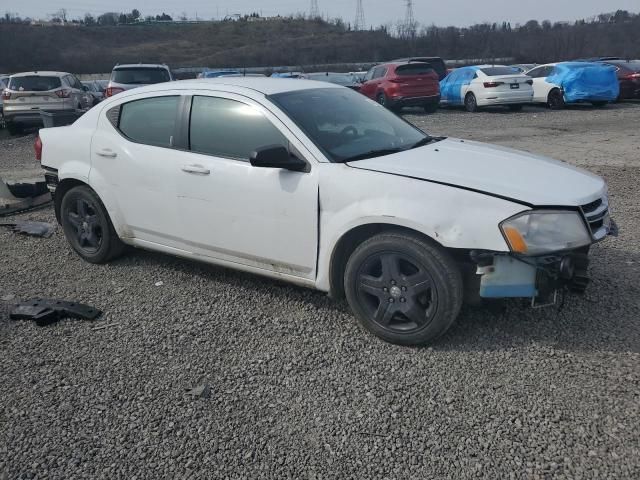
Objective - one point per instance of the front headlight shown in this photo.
(545, 231)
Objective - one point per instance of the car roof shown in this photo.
(44, 73)
(141, 65)
(264, 85)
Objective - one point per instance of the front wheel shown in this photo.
(470, 103)
(403, 289)
(87, 226)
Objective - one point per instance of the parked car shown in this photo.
(403, 84)
(557, 84)
(628, 72)
(4, 81)
(93, 89)
(126, 77)
(287, 75)
(524, 67)
(345, 79)
(217, 73)
(486, 85)
(314, 184)
(436, 62)
(31, 92)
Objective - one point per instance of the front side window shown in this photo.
(231, 129)
(151, 121)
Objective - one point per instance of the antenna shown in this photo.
(359, 23)
(315, 11)
(409, 27)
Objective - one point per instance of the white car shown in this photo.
(557, 84)
(486, 85)
(317, 185)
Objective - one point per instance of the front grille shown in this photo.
(597, 215)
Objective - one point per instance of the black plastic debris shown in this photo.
(45, 312)
(37, 229)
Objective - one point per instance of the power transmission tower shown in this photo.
(359, 23)
(315, 11)
(409, 27)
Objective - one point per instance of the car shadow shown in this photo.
(602, 320)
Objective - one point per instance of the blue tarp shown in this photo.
(582, 81)
(451, 85)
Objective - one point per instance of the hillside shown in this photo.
(296, 41)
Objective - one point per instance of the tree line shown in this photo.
(98, 43)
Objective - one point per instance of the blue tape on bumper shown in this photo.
(508, 291)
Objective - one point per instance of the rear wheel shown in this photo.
(515, 108)
(431, 107)
(87, 226)
(403, 289)
(555, 100)
(470, 103)
(14, 128)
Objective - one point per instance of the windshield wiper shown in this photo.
(372, 153)
(421, 143)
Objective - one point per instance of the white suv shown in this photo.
(315, 184)
(31, 92)
(126, 77)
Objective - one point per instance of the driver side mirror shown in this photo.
(277, 156)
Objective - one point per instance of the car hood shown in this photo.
(493, 170)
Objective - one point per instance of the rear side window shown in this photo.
(151, 121)
(379, 72)
(226, 128)
(414, 69)
(496, 71)
(140, 76)
(34, 83)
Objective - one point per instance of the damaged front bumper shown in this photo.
(508, 275)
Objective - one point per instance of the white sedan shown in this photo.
(317, 185)
(486, 85)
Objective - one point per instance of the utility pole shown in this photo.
(359, 23)
(315, 11)
(409, 27)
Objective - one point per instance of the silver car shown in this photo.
(94, 89)
(29, 93)
(126, 77)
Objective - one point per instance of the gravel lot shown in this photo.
(297, 389)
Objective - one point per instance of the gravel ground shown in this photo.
(297, 389)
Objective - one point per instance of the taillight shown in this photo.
(111, 91)
(37, 146)
(634, 76)
(492, 84)
(63, 93)
(6, 95)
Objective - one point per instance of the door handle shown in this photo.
(196, 169)
(105, 152)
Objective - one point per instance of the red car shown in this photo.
(403, 84)
(628, 76)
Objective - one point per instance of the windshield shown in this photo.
(34, 83)
(346, 125)
(140, 76)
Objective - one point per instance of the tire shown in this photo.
(515, 108)
(403, 289)
(14, 128)
(87, 226)
(470, 103)
(431, 107)
(599, 104)
(555, 100)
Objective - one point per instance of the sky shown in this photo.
(377, 12)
